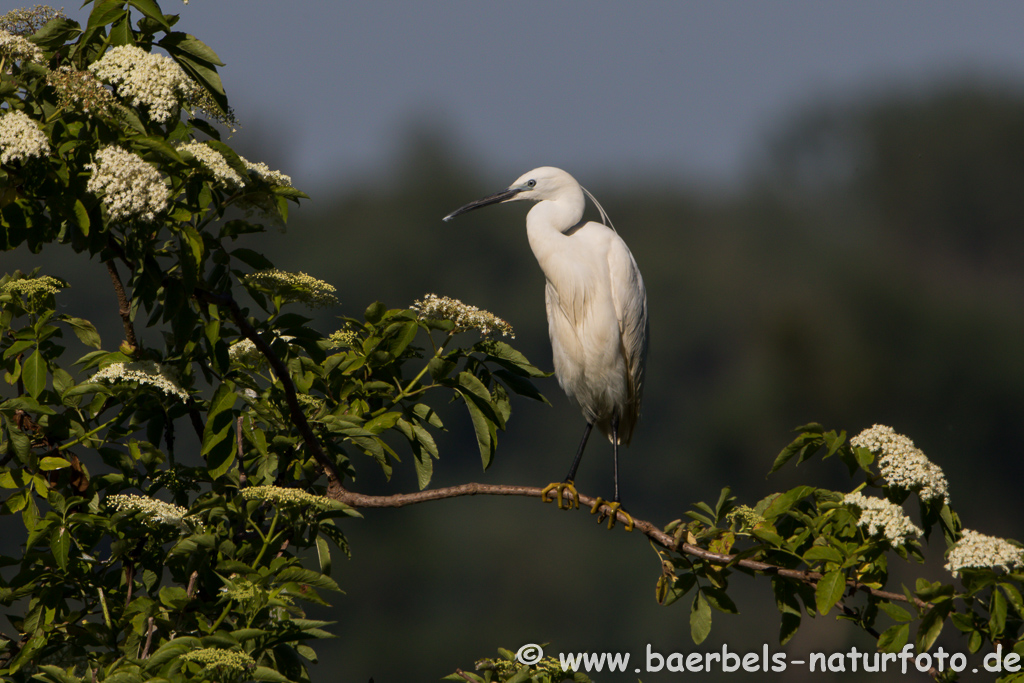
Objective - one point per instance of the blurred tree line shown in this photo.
(868, 269)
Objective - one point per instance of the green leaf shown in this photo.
(34, 374)
(997, 620)
(486, 432)
(894, 638)
(82, 217)
(53, 463)
(84, 330)
(782, 503)
(265, 673)
(720, 600)
(105, 13)
(157, 145)
(829, 591)
(220, 420)
(931, 625)
(323, 552)
(60, 544)
(468, 381)
(823, 552)
(307, 576)
(189, 44)
(406, 333)
(788, 627)
(375, 312)
(151, 10)
(700, 618)
(174, 597)
(895, 612)
(1014, 596)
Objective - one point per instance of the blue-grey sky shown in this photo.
(684, 87)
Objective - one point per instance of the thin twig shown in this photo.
(124, 304)
(149, 638)
(298, 417)
(337, 492)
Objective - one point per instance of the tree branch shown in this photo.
(124, 307)
(291, 398)
(337, 492)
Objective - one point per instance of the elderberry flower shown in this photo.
(19, 49)
(297, 287)
(81, 91)
(878, 515)
(465, 317)
(341, 339)
(976, 550)
(145, 79)
(27, 20)
(263, 172)
(279, 495)
(156, 511)
(214, 162)
(130, 187)
(34, 288)
(21, 137)
(903, 465)
(216, 658)
(244, 352)
(143, 372)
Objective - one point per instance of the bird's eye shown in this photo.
(531, 183)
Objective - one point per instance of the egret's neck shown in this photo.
(547, 222)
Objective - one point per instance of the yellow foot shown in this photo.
(603, 508)
(561, 487)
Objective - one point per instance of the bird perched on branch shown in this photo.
(597, 312)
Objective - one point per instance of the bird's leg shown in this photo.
(567, 485)
(610, 510)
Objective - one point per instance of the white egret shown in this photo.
(596, 307)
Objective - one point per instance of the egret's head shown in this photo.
(540, 184)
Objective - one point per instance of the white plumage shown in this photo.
(596, 303)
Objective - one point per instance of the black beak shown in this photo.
(502, 196)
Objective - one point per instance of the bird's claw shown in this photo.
(561, 487)
(610, 509)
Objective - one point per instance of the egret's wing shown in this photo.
(630, 300)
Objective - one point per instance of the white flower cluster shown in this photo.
(145, 79)
(156, 511)
(19, 49)
(263, 172)
(27, 20)
(279, 495)
(215, 163)
(143, 372)
(878, 515)
(980, 551)
(21, 137)
(81, 90)
(33, 288)
(904, 465)
(297, 287)
(465, 317)
(341, 339)
(244, 352)
(131, 188)
(214, 657)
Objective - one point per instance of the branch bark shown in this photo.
(124, 306)
(337, 492)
